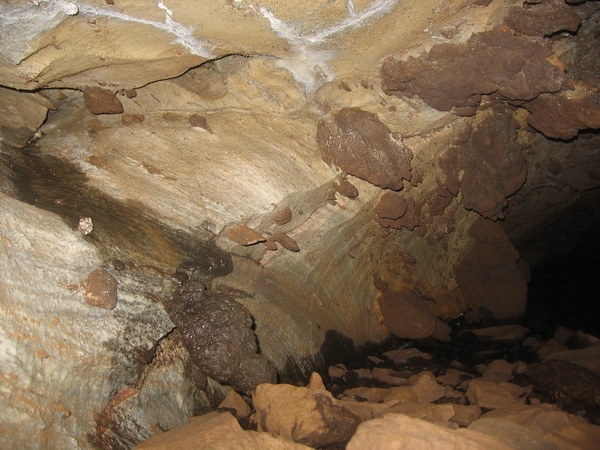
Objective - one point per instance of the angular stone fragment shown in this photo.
(405, 315)
(286, 242)
(488, 275)
(401, 356)
(244, 235)
(101, 289)
(398, 431)
(426, 387)
(464, 415)
(387, 376)
(101, 101)
(497, 371)
(488, 395)
(234, 401)
(21, 114)
(299, 414)
(588, 357)
(457, 75)
(513, 435)
(215, 431)
(367, 410)
(361, 145)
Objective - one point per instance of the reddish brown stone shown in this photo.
(494, 166)
(542, 18)
(286, 242)
(488, 275)
(457, 75)
(282, 216)
(101, 289)
(361, 145)
(198, 121)
(390, 206)
(347, 189)
(405, 315)
(410, 219)
(244, 235)
(101, 101)
(562, 115)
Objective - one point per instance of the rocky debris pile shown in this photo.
(488, 388)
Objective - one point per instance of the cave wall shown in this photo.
(352, 166)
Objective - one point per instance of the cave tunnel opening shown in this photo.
(564, 289)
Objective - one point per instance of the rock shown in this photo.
(387, 376)
(101, 289)
(304, 415)
(488, 275)
(426, 387)
(286, 242)
(542, 19)
(438, 414)
(361, 145)
(453, 377)
(444, 81)
(562, 335)
(347, 189)
(132, 119)
(550, 347)
(244, 235)
(464, 415)
(316, 382)
(215, 431)
(488, 395)
(21, 114)
(451, 393)
(338, 371)
(199, 121)
(581, 436)
(363, 374)
(390, 206)
(569, 385)
(588, 357)
(405, 315)
(497, 371)
(402, 356)
(282, 216)
(513, 435)
(503, 333)
(397, 431)
(234, 401)
(217, 332)
(102, 101)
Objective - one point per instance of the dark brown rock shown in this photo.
(198, 121)
(457, 75)
(347, 189)
(102, 101)
(217, 332)
(542, 18)
(390, 206)
(361, 145)
(101, 289)
(488, 275)
(405, 314)
(571, 386)
(494, 166)
(409, 219)
(562, 115)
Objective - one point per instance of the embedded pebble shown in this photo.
(282, 216)
(102, 101)
(198, 121)
(85, 226)
(244, 235)
(101, 289)
(347, 189)
(286, 241)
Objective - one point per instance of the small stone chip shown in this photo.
(347, 189)
(101, 289)
(244, 235)
(286, 241)
(85, 226)
(198, 121)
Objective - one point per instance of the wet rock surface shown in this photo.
(217, 332)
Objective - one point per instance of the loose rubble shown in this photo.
(483, 390)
